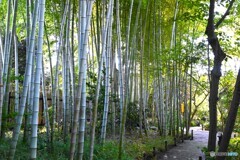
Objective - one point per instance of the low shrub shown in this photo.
(132, 149)
(234, 146)
(136, 148)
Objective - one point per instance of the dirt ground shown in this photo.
(189, 149)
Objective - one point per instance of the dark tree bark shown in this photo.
(231, 118)
(219, 56)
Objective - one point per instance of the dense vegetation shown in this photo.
(111, 79)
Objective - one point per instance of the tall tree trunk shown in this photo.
(66, 78)
(82, 118)
(45, 101)
(71, 62)
(6, 59)
(185, 119)
(141, 89)
(16, 75)
(1, 82)
(219, 56)
(33, 146)
(30, 100)
(107, 74)
(104, 38)
(119, 45)
(145, 102)
(55, 84)
(80, 83)
(231, 119)
(125, 103)
(190, 85)
(113, 95)
(6, 66)
(28, 69)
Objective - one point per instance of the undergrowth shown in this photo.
(136, 148)
(133, 149)
(233, 148)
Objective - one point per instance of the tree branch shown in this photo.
(225, 15)
(197, 105)
(210, 24)
(195, 80)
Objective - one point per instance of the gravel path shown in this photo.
(189, 150)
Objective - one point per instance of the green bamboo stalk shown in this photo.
(33, 146)
(79, 98)
(107, 87)
(16, 131)
(104, 38)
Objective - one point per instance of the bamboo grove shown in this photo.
(94, 60)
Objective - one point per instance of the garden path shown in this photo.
(189, 149)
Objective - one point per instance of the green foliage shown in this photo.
(225, 95)
(234, 146)
(132, 115)
(13, 77)
(207, 154)
(91, 86)
(3, 7)
(50, 113)
(191, 15)
(237, 123)
(109, 150)
(9, 120)
(91, 90)
(194, 10)
(60, 152)
(136, 148)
